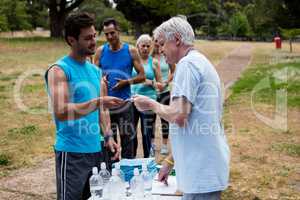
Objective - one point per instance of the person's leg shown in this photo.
(127, 131)
(164, 99)
(136, 117)
(203, 196)
(147, 127)
(73, 172)
(114, 119)
(59, 174)
(92, 160)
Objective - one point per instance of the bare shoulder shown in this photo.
(133, 52)
(56, 73)
(99, 50)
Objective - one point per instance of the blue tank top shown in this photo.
(164, 68)
(142, 89)
(81, 135)
(117, 65)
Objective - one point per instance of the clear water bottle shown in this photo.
(137, 185)
(120, 173)
(96, 185)
(147, 178)
(116, 187)
(105, 175)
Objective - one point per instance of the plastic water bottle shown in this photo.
(147, 178)
(120, 173)
(116, 187)
(137, 185)
(105, 175)
(96, 185)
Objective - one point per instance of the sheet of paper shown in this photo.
(159, 188)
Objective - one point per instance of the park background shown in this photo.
(265, 155)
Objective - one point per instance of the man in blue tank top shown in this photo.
(74, 86)
(117, 61)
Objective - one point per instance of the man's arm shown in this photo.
(63, 108)
(97, 56)
(104, 112)
(177, 112)
(105, 124)
(139, 78)
(137, 64)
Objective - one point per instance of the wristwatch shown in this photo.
(108, 136)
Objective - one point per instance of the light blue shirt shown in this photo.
(200, 149)
(81, 135)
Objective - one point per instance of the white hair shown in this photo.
(176, 25)
(143, 38)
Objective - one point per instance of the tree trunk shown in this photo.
(58, 11)
(57, 25)
(57, 17)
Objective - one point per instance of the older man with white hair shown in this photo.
(199, 146)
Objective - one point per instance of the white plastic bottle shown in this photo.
(116, 187)
(96, 185)
(105, 175)
(120, 172)
(137, 185)
(147, 178)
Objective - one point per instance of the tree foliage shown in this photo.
(103, 9)
(13, 15)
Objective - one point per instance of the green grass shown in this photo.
(4, 159)
(271, 80)
(290, 149)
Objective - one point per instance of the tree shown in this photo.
(291, 34)
(13, 15)
(135, 12)
(238, 25)
(37, 10)
(102, 10)
(58, 11)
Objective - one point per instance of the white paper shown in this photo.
(159, 188)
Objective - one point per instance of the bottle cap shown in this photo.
(95, 170)
(103, 165)
(136, 172)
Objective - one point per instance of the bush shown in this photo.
(239, 25)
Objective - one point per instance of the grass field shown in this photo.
(265, 161)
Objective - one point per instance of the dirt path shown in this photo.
(39, 182)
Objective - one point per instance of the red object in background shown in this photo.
(278, 42)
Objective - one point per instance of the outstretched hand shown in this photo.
(111, 102)
(143, 103)
(121, 84)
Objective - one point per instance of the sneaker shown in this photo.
(164, 150)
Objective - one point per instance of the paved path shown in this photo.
(39, 182)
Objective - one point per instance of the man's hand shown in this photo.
(121, 84)
(164, 172)
(143, 103)
(114, 148)
(111, 102)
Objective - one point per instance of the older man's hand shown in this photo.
(143, 103)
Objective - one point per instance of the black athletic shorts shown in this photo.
(73, 171)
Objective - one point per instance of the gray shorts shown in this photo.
(203, 196)
(73, 171)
